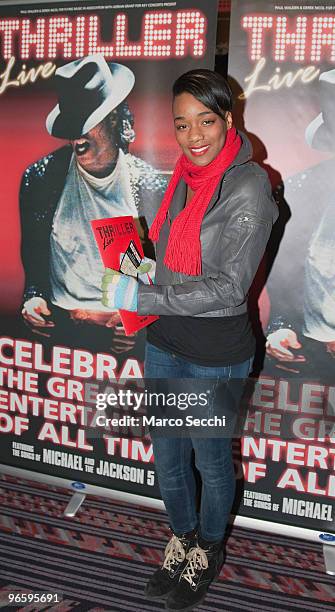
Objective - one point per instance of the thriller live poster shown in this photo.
(282, 68)
(46, 236)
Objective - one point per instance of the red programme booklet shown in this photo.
(121, 249)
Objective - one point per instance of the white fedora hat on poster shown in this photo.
(88, 90)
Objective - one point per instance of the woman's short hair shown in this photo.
(208, 87)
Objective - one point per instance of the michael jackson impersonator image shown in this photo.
(210, 233)
(92, 177)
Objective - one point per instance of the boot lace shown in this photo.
(197, 560)
(174, 553)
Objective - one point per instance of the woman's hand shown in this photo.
(146, 271)
(33, 312)
(119, 290)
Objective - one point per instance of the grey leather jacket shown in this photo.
(234, 234)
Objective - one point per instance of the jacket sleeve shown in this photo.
(250, 215)
(41, 186)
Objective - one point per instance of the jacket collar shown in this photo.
(178, 200)
(245, 153)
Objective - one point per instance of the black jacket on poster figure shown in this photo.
(41, 187)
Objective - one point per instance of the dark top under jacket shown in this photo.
(207, 341)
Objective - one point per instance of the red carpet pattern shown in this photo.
(101, 559)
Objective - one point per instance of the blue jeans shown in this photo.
(213, 456)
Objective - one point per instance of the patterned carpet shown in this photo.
(101, 559)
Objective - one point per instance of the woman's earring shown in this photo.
(229, 121)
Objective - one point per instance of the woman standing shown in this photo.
(210, 233)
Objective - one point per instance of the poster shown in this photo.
(50, 377)
(285, 458)
(85, 91)
(281, 63)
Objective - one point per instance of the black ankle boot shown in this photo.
(204, 563)
(166, 577)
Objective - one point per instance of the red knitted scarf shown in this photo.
(183, 252)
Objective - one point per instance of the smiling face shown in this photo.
(200, 132)
(96, 151)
